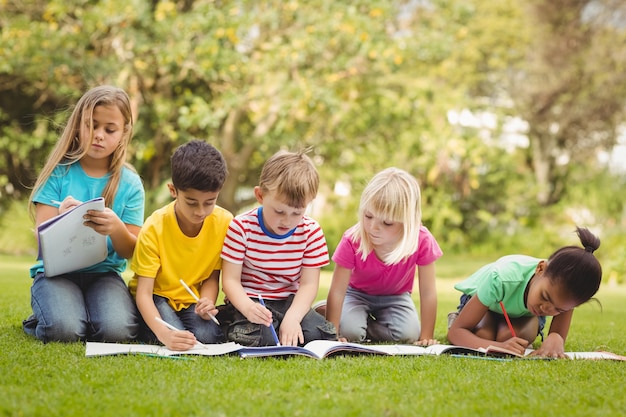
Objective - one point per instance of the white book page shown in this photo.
(67, 245)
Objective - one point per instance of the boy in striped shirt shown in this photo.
(275, 251)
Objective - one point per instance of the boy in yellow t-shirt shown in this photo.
(183, 241)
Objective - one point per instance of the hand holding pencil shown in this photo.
(513, 343)
(203, 305)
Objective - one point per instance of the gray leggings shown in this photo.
(379, 318)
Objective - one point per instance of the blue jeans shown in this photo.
(379, 318)
(82, 306)
(206, 331)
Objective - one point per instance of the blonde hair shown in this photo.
(394, 195)
(291, 176)
(77, 136)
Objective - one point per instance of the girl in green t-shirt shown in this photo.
(505, 303)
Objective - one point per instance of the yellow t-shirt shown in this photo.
(165, 253)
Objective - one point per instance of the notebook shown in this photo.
(67, 245)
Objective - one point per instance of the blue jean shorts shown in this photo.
(465, 298)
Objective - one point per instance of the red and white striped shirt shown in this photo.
(272, 266)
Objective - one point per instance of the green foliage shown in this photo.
(36, 377)
(17, 230)
(366, 85)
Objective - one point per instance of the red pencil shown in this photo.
(508, 321)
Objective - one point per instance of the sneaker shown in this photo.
(451, 317)
(320, 308)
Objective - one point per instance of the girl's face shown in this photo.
(192, 207)
(108, 131)
(278, 217)
(546, 298)
(384, 234)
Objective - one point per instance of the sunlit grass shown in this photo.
(57, 380)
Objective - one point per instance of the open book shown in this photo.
(318, 349)
(498, 351)
(66, 244)
(105, 349)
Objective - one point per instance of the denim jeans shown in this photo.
(82, 306)
(206, 331)
(379, 318)
(240, 330)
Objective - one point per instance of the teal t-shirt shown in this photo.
(503, 280)
(72, 180)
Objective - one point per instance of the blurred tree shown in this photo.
(560, 65)
(365, 84)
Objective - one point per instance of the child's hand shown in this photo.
(552, 347)
(290, 332)
(204, 308)
(427, 342)
(258, 314)
(104, 222)
(178, 339)
(515, 344)
(68, 203)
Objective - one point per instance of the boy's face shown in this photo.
(193, 206)
(278, 217)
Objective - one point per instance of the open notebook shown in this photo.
(66, 244)
(317, 349)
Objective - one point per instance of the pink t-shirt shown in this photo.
(373, 277)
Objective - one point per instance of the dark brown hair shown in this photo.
(576, 268)
(198, 165)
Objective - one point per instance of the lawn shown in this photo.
(57, 380)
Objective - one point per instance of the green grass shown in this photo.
(57, 380)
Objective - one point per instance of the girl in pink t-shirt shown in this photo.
(370, 295)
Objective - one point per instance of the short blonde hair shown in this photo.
(394, 195)
(291, 176)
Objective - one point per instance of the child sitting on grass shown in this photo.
(276, 251)
(376, 260)
(183, 241)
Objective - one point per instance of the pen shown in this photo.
(197, 299)
(57, 202)
(271, 325)
(508, 321)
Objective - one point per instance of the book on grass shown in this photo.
(67, 245)
(317, 349)
(597, 355)
(107, 349)
(320, 349)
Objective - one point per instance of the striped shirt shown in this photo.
(272, 266)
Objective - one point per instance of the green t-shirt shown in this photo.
(503, 280)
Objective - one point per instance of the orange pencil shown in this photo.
(508, 321)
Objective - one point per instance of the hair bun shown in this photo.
(589, 249)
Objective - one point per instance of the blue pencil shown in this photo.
(271, 325)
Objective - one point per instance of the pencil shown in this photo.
(166, 324)
(508, 321)
(271, 325)
(197, 299)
